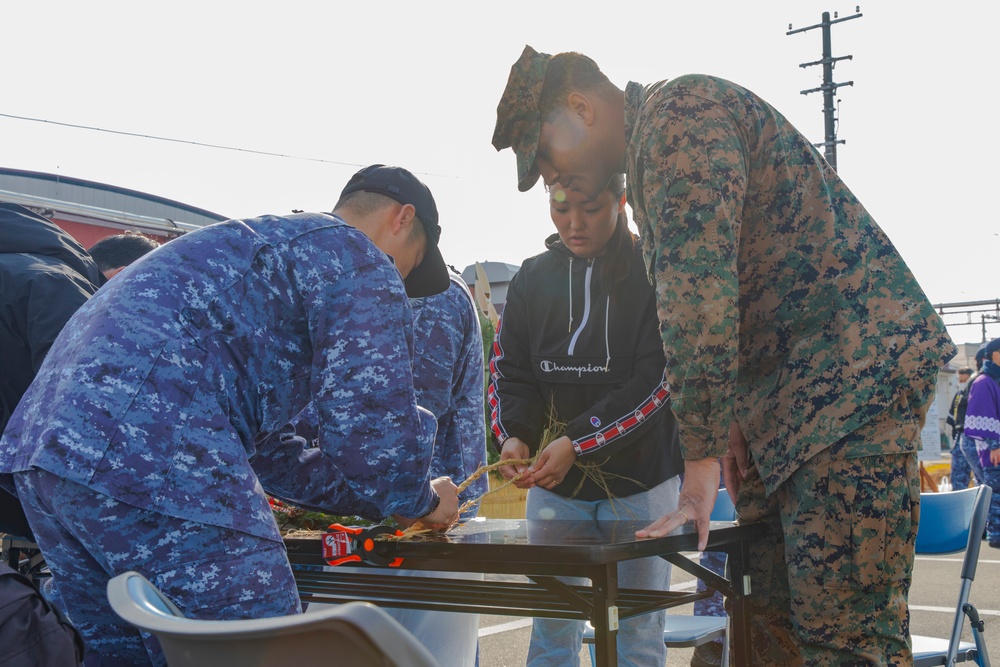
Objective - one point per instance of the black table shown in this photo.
(539, 551)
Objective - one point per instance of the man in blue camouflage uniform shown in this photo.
(448, 377)
(800, 347)
(130, 450)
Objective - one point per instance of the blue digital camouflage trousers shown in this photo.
(831, 578)
(965, 465)
(714, 605)
(208, 572)
(991, 478)
(968, 448)
(961, 471)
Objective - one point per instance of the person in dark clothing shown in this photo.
(578, 345)
(45, 275)
(114, 253)
(961, 467)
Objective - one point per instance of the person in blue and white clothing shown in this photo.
(982, 426)
(131, 449)
(579, 337)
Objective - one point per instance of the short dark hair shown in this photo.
(113, 252)
(363, 202)
(566, 73)
(965, 370)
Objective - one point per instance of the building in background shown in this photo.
(499, 275)
(90, 211)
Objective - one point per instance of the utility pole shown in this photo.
(979, 313)
(829, 87)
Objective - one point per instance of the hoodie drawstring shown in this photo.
(586, 305)
(569, 328)
(607, 341)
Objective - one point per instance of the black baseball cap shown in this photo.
(431, 275)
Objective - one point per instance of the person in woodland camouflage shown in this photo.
(800, 347)
(131, 450)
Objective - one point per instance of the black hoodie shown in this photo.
(597, 360)
(45, 275)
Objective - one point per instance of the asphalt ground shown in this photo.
(503, 640)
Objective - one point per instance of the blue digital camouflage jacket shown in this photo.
(448, 379)
(156, 390)
(448, 373)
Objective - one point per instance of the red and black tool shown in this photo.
(354, 544)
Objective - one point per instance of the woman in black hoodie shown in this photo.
(578, 345)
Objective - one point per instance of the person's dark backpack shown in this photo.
(33, 633)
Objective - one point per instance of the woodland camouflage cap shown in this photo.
(518, 120)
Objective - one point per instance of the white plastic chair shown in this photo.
(950, 522)
(689, 630)
(356, 634)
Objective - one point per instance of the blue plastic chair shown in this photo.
(686, 631)
(950, 522)
(724, 509)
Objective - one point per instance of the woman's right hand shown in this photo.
(516, 449)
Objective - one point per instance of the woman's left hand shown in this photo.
(553, 463)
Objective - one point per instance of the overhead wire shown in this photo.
(190, 142)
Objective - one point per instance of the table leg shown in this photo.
(739, 631)
(605, 615)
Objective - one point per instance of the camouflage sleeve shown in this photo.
(286, 462)
(362, 389)
(693, 186)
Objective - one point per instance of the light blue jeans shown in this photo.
(556, 643)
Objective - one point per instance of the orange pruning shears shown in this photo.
(354, 544)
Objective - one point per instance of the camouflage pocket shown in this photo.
(870, 522)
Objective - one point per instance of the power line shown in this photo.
(193, 143)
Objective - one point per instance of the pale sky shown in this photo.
(417, 84)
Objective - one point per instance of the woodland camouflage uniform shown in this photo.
(783, 305)
(787, 307)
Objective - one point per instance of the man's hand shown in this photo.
(995, 457)
(446, 513)
(734, 462)
(697, 498)
(553, 463)
(515, 449)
